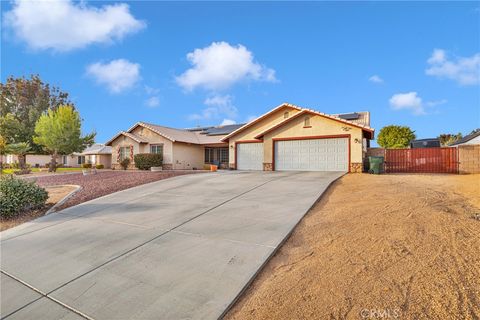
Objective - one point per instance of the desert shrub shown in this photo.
(18, 195)
(99, 166)
(87, 166)
(144, 161)
(125, 163)
(22, 171)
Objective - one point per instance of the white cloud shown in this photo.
(226, 122)
(251, 117)
(117, 75)
(375, 79)
(152, 102)
(217, 107)
(464, 70)
(221, 65)
(151, 91)
(409, 101)
(436, 102)
(67, 25)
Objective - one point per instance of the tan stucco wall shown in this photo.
(320, 126)
(251, 132)
(72, 161)
(40, 159)
(154, 138)
(188, 156)
(148, 135)
(104, 159)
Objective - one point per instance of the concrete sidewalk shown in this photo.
(181, 248)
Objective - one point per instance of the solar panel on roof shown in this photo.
(349, 116)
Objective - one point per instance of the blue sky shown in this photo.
(186, 64)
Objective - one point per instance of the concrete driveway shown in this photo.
(181, 248)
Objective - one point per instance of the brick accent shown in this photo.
(356, 167)
(231, 166)
(167, 166)
(267, 166)
(117, 166)
(469, 158)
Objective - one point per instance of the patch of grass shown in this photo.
(11, 171)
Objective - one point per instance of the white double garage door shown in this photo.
(297, 155)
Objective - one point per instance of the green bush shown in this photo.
(144, 161)
(99, 166)
(18, 195)
(87, 166)
(22, 171)
(125, 163)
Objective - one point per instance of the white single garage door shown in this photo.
(312, 155)
(250, 156)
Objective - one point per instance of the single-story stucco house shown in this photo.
(41, 160)
(286, 138)
(470, 139)
(97, 154)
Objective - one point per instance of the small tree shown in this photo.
(20, 150)
(395, 137)
(447, 139)
(59, 132)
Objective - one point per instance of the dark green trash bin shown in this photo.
(376, 165)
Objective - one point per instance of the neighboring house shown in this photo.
(293, 138)
(286, 138)
(41, 160)
(97, 154)
(181, 148)
(425, 143)
(473, 138)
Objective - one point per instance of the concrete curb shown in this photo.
(275, 250)
(68, 196)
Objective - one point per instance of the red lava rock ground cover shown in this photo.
(103, 183)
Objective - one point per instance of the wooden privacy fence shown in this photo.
(422, 160)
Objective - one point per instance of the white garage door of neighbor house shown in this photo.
(250, 156)
(312, 155)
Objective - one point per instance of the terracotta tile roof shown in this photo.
(97, 148)
(135, 137)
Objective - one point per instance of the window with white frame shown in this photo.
(156, 148)
(124, 153)
(80, 159)
(223, 155)
(213, 155)
(209, 155)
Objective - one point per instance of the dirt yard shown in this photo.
(378, 247)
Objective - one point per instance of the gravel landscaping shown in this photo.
(104, 183)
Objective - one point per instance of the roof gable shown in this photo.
(265, 115)
(313, 112)
(467, 138)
